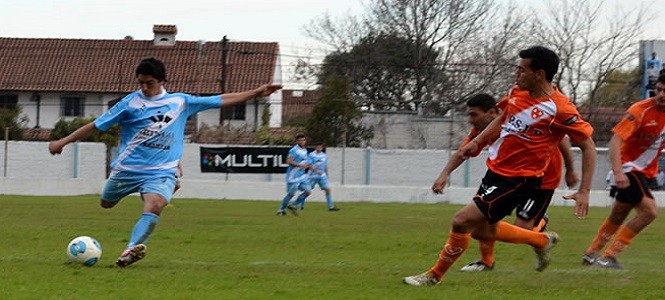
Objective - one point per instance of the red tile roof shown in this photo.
(108, 66)
(164, 29)
(36, 134)
(299, 102)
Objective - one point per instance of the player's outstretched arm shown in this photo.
(581, 197)
(230, 99)
(440, 182)
(55, 147)
(490, 132)
(571, 177)
(620, 178)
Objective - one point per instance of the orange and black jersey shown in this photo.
(642, 130)
(554, 170)
(531, 131)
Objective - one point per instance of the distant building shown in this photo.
(299, 103)
(53, 79)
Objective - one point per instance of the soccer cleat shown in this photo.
(589, 258)
(423, 279)
(281, 213)
(334, 208)
(607, 262)
(131, 255)
(477, 266)
(543, 254)
(293, 210)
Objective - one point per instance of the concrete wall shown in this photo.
(365, 175)
(409, 131)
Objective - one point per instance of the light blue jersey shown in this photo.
(295, 174)
(319, 162)
(152, 130)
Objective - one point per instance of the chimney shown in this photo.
(164, 35)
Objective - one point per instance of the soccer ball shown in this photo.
(84, 250)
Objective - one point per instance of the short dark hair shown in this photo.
(542, 59)
(299, 136)
(153, 67)
(483, 101)
(319, 143)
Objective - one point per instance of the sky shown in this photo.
(209, 20)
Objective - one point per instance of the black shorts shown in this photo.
(536, 207)
(498, 195)
(638, 188)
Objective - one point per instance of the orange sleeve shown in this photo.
(629, 123)
(570, 120)
(472, 134)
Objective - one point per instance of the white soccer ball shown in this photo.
(84, 250)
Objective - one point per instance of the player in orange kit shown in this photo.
(634, 150)
(524, 138)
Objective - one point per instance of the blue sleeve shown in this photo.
(112, 116)
(196, 104)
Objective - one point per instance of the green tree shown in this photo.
(335, 119)
(12, 119)
(386, 72)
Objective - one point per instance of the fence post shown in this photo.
(76, 160)
(6, 146)
(368, 164)
(467, 172)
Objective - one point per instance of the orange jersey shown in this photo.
(532, 129)
(643, 131)
(554, 171)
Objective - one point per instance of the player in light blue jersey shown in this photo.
(318, 174)
(152, 125)
(296, 177)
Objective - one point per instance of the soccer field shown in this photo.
(211, 249)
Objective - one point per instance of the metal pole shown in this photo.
(467, 173)
(6, 146)
(76, 160)
(344, 144)
(451, 134)
(225, 69)
(368, 164)
(227, 172)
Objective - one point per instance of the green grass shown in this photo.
(206, 249)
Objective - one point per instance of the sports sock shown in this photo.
(509, 233)
(487, 252)
(540, 225)
(285, 201)
(455, 246)
(623, 239)
(143, 228)
(604, 235)
(300, 201)
(329, 201)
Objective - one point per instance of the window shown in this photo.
(8, 101)
(236, 112)
(72, 106)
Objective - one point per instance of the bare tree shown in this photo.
(338, 34)
(590, 48)
(443, 27)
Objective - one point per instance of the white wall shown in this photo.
(395, 175)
